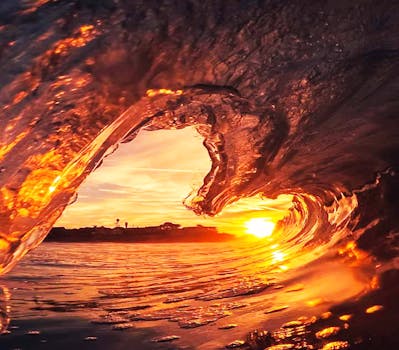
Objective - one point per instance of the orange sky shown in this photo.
(145, 181)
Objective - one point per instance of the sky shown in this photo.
(145, 181)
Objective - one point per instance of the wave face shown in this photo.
(290, 99)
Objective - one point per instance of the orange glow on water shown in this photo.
(327, 332)
(345, 317)
(156, 92)
(373, 309)
(260, 227)
(336, 345)
(83, 36)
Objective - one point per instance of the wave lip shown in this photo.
(54, 173)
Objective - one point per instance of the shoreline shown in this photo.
(166, 233)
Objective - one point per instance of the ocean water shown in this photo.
(198, 296)
(290, 99)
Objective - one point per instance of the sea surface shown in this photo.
(291, 98)
(177, 296)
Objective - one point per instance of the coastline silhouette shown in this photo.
(165, 233)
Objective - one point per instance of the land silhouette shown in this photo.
(166, 233)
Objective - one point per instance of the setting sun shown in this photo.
(260, 227)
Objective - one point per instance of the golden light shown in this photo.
(278, 256)
(260, 227)
(373, 309)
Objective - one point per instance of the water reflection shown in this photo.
(349, 324)
(4, 309)
(202, 296)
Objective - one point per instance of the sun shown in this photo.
(260, 227)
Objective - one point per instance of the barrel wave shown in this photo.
(289, 99)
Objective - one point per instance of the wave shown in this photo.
(289, 100)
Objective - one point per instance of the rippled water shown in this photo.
(207, 295)
(290, 99)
